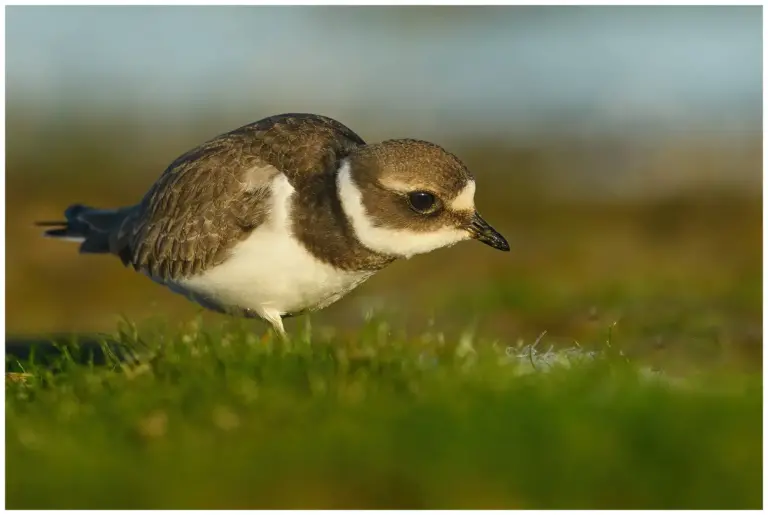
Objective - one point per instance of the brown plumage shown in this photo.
(329, 209)
(188, 222)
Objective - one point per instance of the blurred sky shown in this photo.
(463, 70)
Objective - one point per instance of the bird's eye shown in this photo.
(421, 201)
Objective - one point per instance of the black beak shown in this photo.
(481, 231)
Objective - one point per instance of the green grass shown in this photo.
(368, 417)
(225, 417)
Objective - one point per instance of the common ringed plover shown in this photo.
(285, 216)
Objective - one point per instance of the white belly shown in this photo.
(270, 272)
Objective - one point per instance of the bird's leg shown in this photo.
(276, 320)
(277, 325)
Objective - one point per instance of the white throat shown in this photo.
(397, 242)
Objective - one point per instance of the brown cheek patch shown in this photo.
(461, 218)
(391, 210)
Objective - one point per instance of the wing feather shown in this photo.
(213, 196)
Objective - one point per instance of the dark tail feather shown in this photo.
(61, 232)
(89, 226)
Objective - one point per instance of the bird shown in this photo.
(285, 216)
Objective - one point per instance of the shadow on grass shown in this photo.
(50, 350)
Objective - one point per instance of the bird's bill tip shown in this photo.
(482, 231)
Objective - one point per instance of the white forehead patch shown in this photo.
(465, 200)
(397, 242)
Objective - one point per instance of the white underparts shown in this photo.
(271, 272)
(398, 242)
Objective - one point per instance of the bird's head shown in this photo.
(405, 197)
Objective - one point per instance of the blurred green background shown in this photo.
(618, 150)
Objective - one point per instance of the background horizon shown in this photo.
(471, 71)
